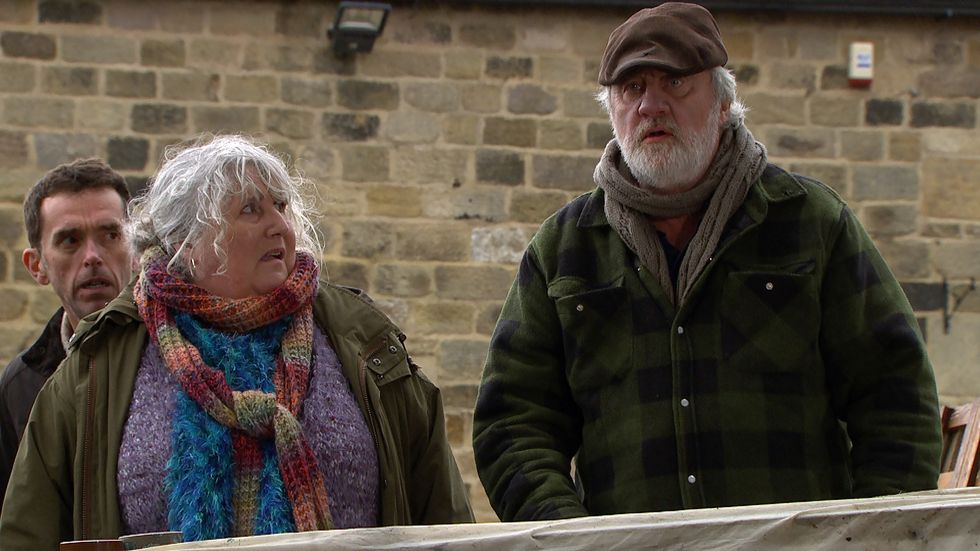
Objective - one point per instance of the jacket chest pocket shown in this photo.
(770, 321)
(597, 337)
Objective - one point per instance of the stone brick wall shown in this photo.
(437, 155)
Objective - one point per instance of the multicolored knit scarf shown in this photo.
(252, 415)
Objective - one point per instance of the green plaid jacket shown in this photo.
(794, 371)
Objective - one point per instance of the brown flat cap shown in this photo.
(675, 37)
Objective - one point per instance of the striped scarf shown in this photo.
(252, 415)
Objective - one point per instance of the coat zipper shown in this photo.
(372, 418)
(87, 450)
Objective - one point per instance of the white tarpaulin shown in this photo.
(948, 519)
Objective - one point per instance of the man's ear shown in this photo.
(32, 261)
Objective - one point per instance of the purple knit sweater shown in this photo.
(333, 424)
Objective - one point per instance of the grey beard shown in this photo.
(673, 168)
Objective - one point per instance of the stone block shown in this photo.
(402, 280)
(231, 19)
(799, 142)
(581, 103)
(834, 111)
(973, 52)
(472, 282)
(17, 11)
(499, 167)
(834, 77)
(396, 63)
(955, 356)
(885, 182)
(509, 67)
(212, 54)
(302, 20)
(746, 74)
(775, 109)
(515, 132)
(367, 239)
(949, 142)
(559, 69)
(950, 188)
(225, 119)
(13, 149)
(324, 61)
(151, 118)
(486, 318)
(481, 98)
(461, 129)
(190, 86)
(252, 89)
(793, 76)
(444, 318)
(534, 206)
(28, 45)
(310, 93)
(102, 115)
(458, 431)
(345, 272)
(364, 163)
(419, 31)
(598, 134)
(488, 205)
(435, 97)
(17, 77)
(924, 296)
(286, 58)
(862, 145)
(290, 123)
(499, 244)
(162, 53)
(458, 396)
(39, 112)
(531, 99)
(545, 37)
(740, 44)
(412, 127)
(353, 127)
(905, 146)
(59, 11)
(879, 112)
(941, 231)
(12, 231)
(396, 201)
(180, 17)
(69, 81)
(960, 115)
(563, 172)
(432, 242)
(463, 65)
(559, 134)
(130, 84)
(100, 49)
(817, 44)
(130, 16)
(430, 165)
(462, 360)
(777, 42)
(831, 174)
(127, 153)
(490, 35)
(957, 260)
(13, 304)
(362, 94)
(907, 259)
(52, 150)
(890, 220)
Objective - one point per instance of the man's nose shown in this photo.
(654, 103)
(93, 253)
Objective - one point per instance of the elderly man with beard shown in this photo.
(703, 329)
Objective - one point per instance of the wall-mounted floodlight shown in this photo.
(356, 26)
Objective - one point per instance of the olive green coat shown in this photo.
(63, 484)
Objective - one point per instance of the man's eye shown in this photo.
(113, 235)
(676, 82)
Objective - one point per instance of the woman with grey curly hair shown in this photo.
(231, 392)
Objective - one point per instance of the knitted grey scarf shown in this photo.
(738, 164)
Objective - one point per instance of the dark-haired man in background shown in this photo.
(74, 217)
(704, 329)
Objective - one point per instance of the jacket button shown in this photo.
(376, 361)
(680, 329)
(392, 349)
(691, 479)
(580, 308)
(685, 402)
(769, 286)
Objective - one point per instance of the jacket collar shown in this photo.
(47, 351)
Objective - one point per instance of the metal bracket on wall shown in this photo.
(957, 300)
